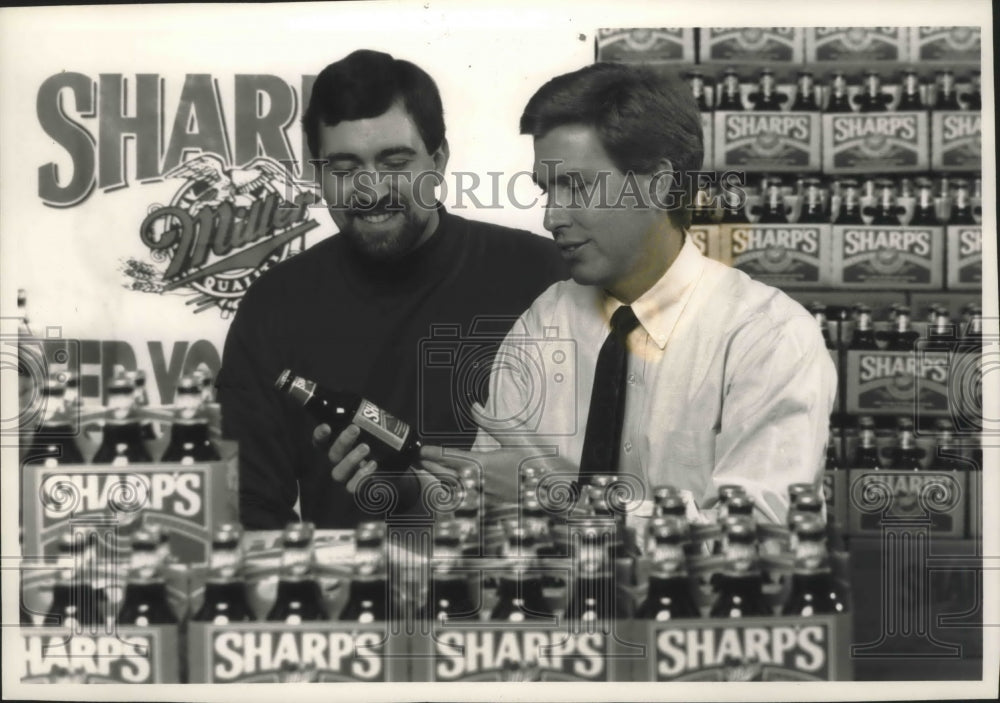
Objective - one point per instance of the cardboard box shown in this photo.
(887, 257)
(837, 45)
(707, 238)
(965, 257)
(127, 655)
(282, 653)
(951, 46)
(775, 142)
(708, 135)
(782, 255)
(814, 649)
(751, 45)
(187, 501)
(957, 141)
(898, 383)
(643, 45)
(876, 142)
(908, 501)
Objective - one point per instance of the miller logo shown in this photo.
(224, 228)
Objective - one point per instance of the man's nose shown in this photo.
(368, 189)
(556, 215)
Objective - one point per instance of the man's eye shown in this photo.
(397, 164)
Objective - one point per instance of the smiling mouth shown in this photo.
(375, 218)
(571, 248)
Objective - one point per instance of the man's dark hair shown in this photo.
(641, 116)
(366, 84)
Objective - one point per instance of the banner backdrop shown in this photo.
(154, 164)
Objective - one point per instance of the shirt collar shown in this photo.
(659, 308)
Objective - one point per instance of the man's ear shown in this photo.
(664, 180)
(440, 157)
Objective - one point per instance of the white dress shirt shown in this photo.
(729, 382)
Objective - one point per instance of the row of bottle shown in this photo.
(125, 433)
(877, 201)
(841, 94)
(878, 445)
(901, 332)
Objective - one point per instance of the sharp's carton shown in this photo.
(839, 45)
(965, 257)
(784, 255)
(775, 142)
(875, 142)
(887, 257)
(751, 45)
(659, 45)
(947, 46)
(956, 141)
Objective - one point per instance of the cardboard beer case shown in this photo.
(186, 500)
(776, 648)
(956, 141)
(783, 255)
(774, 141)
(898, 383)
(875, 142)
(707, 239)
(646, 45)
(840, 45)
(143, 655)
(754, 46)
(708, 143)
(965, 257)
(946, 46)
(907, 500)
(887, 257)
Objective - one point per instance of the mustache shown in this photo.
(388, 204)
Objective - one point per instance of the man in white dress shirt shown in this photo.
(728, 380)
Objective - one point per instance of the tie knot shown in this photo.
(623, 321)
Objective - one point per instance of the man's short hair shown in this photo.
(641, 116)
(366, 84)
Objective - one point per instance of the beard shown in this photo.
(386, 232)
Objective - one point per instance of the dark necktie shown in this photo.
(607, 400)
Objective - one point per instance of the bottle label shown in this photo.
(793, 255)
(381, 425)
(956, 141)
(130, 655)
(754, 45)
(857, 43)
(752, 649)
(887, 256)
(965, 257)
(662, 44)
(775, 141)
(498, 654)
(875, 143)
(898, 382)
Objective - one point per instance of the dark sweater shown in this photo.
(348, 324)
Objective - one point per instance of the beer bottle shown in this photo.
(190, 442)
(739, 588)
(593, 598)
(805, 93)
(145, 601)
(299, 598)
(740, 504)
(449, 595)
(797, 489)
(818, 311)
(697, 82)
(910, 100)
(660, 495)
(941, 325)
(925, 214)
(902, 337)
(885, 211)
(947, 454)
(225, 591)
(71, 399)
(973, 100)
(520, 593)
(54, 441)
(730, 99)
(850, 204)
(945, 98)
(838, 100)
(367, 596)
(814, 590)
(76, 601)
(832, 461)
(961, 206)
(871, 98)
(772, 209)
(122, 441)
(393, 443)
(767, 98)
(813, 210)
(866, 454)
(669, 594)
(703, 211)
(907, 454)
(732, 207)
(974, 328)
(138, 380)
(467, 522)
(863, 337)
